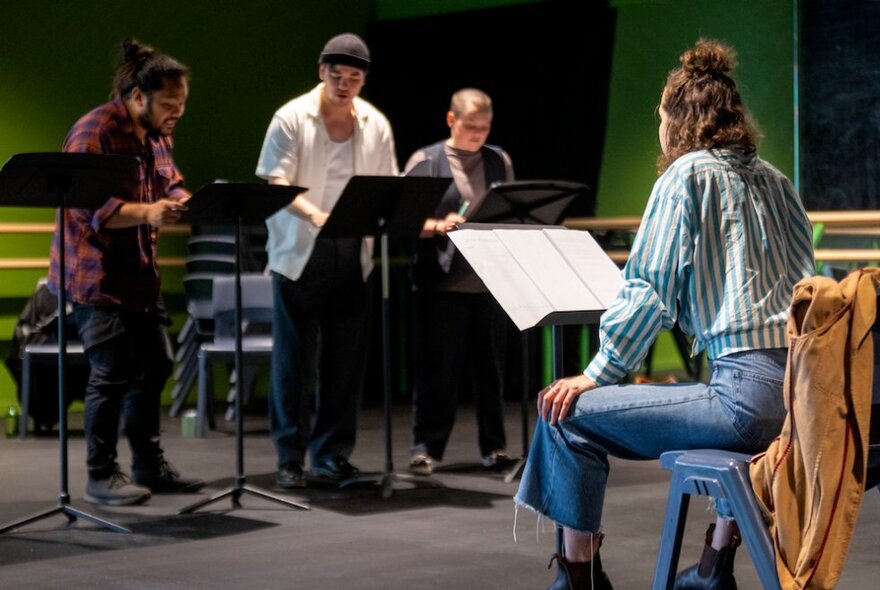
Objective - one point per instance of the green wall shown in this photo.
(391, 9)
(57, 60)
(649, 38)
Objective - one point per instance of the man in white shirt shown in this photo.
(322, 299)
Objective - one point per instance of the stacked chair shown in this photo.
(210, 255)
(256, 314)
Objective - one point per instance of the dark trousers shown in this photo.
(459, 344)
(320, 328)
(130, 359)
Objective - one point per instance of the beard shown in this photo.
(147, 120)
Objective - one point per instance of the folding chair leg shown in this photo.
(206, 391)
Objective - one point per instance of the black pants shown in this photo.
(130, 360)
(320, 329)
(459, 344)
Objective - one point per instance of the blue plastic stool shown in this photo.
(718, 474)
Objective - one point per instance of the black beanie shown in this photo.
(346, 49)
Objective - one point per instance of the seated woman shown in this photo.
(723, 240)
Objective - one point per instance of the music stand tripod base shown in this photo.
(236, 492)
(390, 482)
(59, 180)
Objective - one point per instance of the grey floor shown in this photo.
(458, 533)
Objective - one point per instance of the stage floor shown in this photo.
(457, 532)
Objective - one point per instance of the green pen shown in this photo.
(464, 207)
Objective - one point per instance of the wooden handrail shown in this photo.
(28, 227)
(845, 218)
(603, 223)
(850, 255)
(825, 255)
(831, 219)
(43, 263)
(857, 222)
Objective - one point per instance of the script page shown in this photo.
(514, 290)
(552, 274)
(599, 274)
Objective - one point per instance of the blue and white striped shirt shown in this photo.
(722, 243)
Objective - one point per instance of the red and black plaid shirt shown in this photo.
(115, 267)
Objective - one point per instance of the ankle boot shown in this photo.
(577, 575)
(715, 569)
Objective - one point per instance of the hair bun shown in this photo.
(708, 57)
(133, 51)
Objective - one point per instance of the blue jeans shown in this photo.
(741, 409)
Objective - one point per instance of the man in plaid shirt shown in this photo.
(113, 281)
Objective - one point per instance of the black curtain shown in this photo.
(546, 66)
(840, 104)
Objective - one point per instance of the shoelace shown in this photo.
(118, 480)
(167, 472)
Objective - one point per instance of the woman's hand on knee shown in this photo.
(555, 399)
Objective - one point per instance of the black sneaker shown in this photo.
(335, 469)
(166, 480)
(115, 490)
(291, 476)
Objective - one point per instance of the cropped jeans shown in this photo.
(741, 409)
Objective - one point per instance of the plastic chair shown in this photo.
(724, 474)
(718, 474)
(198, 328)
(211, 263)
(43, 354)
(256, 313)
(47, 354)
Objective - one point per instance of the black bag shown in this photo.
(37, 325)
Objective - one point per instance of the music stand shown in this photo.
(239, 204)
(533, 202)
(61, 180)
(383, 206)
(530, 202)
(542, 277)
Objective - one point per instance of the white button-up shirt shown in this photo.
(296, 149)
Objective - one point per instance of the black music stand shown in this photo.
(61, 180)
(383, 206)
(530, 202)
(239, 204)
(533, 202)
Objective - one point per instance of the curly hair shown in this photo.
(703, 106)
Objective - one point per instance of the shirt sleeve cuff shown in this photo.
(105, 212)
(603, 372)
(178, 194)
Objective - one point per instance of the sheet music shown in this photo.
(514, 290)
(535, 272)
(552, 274)
(585, 256)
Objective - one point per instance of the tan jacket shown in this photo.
(811, 479)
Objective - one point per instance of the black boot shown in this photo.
(715, 570)
(577, 575)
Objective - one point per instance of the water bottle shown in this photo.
(188, 424)
(10, 421)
